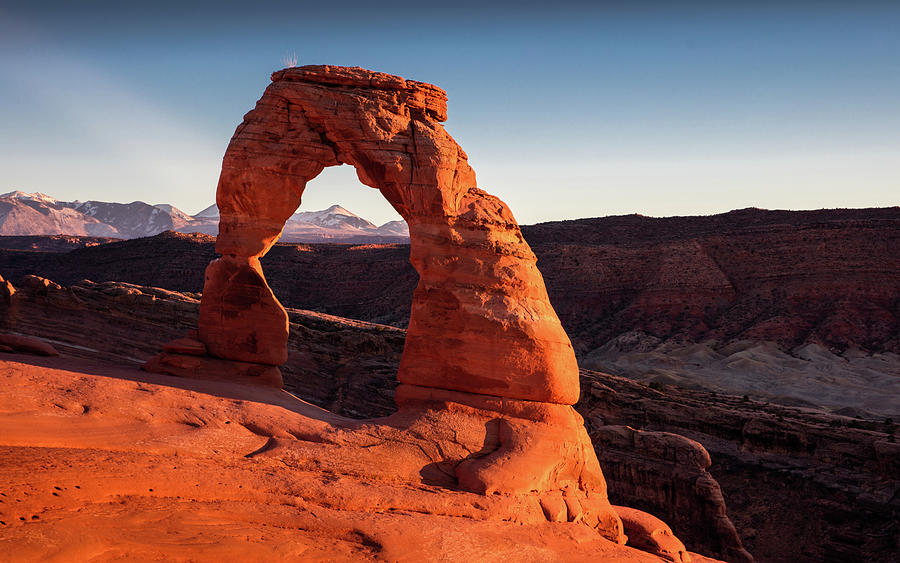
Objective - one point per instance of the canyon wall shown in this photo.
(799, 308)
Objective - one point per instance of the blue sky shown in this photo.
(566, 109)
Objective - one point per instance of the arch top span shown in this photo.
(311, 117)
(481, 321)
(419, 95)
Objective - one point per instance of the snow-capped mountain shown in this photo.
(36, 196)
(176, 214)
(335, 224)
(39, 214)
(334, 216)
(212, 212)
(24, 213)
(395, 228)
(135, 219)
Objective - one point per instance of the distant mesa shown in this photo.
(24, 214)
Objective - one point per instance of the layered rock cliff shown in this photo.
(800, 484)
(640, 297)
(789, 277)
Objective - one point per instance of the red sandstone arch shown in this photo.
(487, 370)
(481, 321)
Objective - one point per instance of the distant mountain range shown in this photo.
(39, 214)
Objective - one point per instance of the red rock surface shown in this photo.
(475, 269)
(102, 462)
(831, 480)
(107, 461)
(484, 349)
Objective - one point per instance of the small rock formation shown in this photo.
(6, 292)
(483, 345)
(18, 342)
(638, 462)
(187, 357)
(649, 533)
(26, 344)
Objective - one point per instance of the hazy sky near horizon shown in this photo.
(566, 109)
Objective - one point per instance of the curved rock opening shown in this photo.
(339, 185)
(481, 321)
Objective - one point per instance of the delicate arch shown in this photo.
(481, 321)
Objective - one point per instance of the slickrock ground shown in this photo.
(830, 480)
(102, 461)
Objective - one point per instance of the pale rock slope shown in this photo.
(211, 212)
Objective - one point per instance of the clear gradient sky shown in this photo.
(566, 109)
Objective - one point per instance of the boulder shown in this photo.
(27, 344)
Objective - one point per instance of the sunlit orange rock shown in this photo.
(481, 321)
(99, 458)
(240, 318)
(649, 533)
(485, 354)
